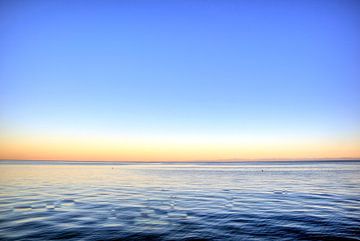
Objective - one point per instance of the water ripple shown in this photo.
(160, 202)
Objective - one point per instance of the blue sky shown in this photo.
(274, 68)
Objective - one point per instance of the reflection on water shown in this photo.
(242, 201)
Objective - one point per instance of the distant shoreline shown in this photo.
(17, 161)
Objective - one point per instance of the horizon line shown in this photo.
(197, 161)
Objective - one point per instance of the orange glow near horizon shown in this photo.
(181, 148)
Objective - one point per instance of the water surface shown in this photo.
(181, 201)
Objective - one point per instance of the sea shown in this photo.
(294, 200)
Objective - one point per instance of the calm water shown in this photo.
(242, 201)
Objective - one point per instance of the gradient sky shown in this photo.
(179, 80)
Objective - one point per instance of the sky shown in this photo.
(179, 80)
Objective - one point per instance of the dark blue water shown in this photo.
(242, 201)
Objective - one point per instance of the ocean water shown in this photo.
(180, 201)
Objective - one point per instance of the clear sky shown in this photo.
(179, 80)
